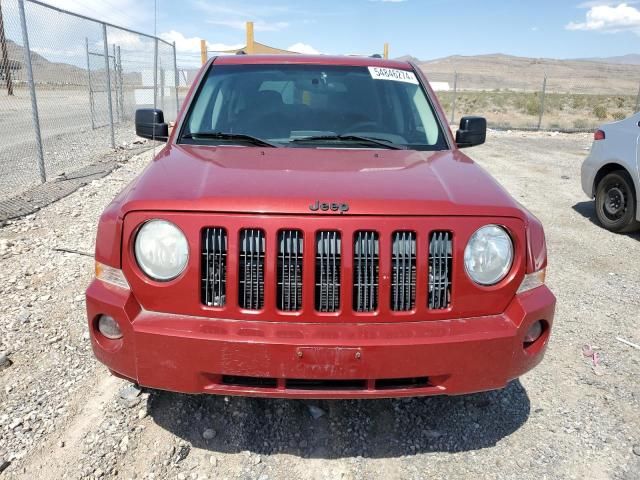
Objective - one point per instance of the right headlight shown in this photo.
(489, 255)
(161, 250)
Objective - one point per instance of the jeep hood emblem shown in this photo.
(325, 207)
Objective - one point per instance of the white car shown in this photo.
(611, 174)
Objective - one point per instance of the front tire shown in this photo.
(616, 202)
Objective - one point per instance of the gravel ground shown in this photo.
(63, 416)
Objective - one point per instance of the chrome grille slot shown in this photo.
(440, 263)
(403, 271)
(365, 271)
(252, 250)
(290, 253)
(328, 256)
(214, 267)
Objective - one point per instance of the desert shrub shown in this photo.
(579, 101)
(532, 107)
(580, 123)
(619, 103)
(619, 115)
(600, 111)
(555, 126)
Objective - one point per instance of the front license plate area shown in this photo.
(329, 362)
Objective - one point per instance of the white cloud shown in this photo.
(259, 26)
(192, 44)
(125, 13)
(128, 41)
(607, 18)
(303, 48)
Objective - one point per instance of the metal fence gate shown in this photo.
(70, 86)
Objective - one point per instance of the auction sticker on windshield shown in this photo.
(380, 73)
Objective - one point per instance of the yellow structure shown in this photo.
(255, 48)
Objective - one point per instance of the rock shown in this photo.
(61, 444)
(142, 413)
(183, 452)
(15, 423)
(124, 444)
(636, 449)
(130, 396)
(213, 461)
(182, 476)
(4, 361)
(256, 460)
(130, 392)
(316, 412)
(4, 464)
(208, 434)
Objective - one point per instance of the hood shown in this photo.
(289, 180)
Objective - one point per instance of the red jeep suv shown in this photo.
(311, 229)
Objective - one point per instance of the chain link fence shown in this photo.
(69, 88)
(574, 104)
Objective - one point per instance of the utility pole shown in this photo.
(5, 66)
(386, 51)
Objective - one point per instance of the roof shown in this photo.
(312, 60)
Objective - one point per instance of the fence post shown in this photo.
(91, 106)
(455, 91)
(544, 91)
(204, 55)
(115, 82)
(32, 89)
(5, 66)
(119, 92)
(177, 78)
(155, 73)
(108, 74)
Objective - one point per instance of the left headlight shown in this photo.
(161, 250)
(489, 255)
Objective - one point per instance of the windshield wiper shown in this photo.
(381, 142)
(230, 136)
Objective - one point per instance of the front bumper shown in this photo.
(311, 360)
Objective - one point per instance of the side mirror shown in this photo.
(472, 132)
(150, 124)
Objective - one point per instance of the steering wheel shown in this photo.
(361, 126)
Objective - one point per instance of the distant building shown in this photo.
(440, 86)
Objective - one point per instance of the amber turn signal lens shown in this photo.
(532, 280)
(111, 275)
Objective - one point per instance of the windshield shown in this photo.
(312, 106)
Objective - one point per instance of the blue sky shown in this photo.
(424, 28)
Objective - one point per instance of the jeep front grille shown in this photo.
(214, 267)
(290, 250)
(365, 271)
(285, 278)
(252, 250)
(403, 271)
(440, 257)
(328, 256)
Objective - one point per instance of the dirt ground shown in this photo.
(63, 416)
